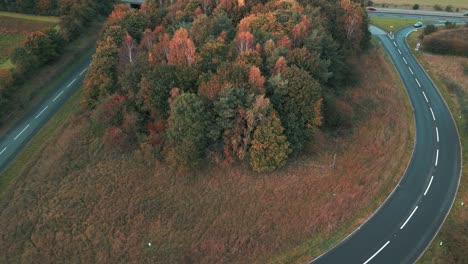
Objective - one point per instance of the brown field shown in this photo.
(448, 66)
(75, 203)
(21, 26)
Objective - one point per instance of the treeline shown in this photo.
(42, 47)
(224, 80)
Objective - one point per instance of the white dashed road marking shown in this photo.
(437, 157)
(74, 80)
(437, 133)
(378, 251)
(22, 131)
(411, 70)
(3, 150)
(418, 82)
(425, 97)
(56, 97)
(428, 186)
(432, 112)
(81, 73)
(41, 112)
(394, 43)
(409, 217)
(399, 51)
(405, 60)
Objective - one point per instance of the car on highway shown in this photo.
(465, 14)
(418, 24)
(370, 8)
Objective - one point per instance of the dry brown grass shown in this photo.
(21, 26)
(448, 66)
(77, 204)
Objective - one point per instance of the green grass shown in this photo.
(7, 43)
(34, 149)
(50, 19)
(430, 3)
(6, 65)
(385, 23)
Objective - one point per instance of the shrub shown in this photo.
(450, 25)
(429, 29)
(415, 6)
(449, 8)
(437, 7)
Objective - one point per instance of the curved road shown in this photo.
(25, 129)
(404, 226)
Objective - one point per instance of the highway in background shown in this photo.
(404, 226)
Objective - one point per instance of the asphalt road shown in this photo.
(404, 226)
(419, 15)
(25, 129)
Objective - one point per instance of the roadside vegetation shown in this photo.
(450, 74)
(428, 5)
(130, 175)
(397, 23)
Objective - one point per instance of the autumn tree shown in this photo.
(181, 49)
(270, 148)
(256, 80)
(186, 132)
(244, 41)
(352, 20)
(101, 79)
(295, 93)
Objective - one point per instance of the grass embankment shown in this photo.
(397, 23)
(34, 149)
(450, 74)
(76, 201)
(427, 5)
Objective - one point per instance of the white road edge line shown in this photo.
(399, 51)
(83, 71)
(56, 97)
(432, 112)
(394, 43)
(428, 186)
(418, 82)
(405, 60)
(425, 96)
(22, 131)
(409, 217)
(378, 251)
(411, 70)
(437, 133)
(42, 112)
(3, 150)
(74, 80)
(437, 157)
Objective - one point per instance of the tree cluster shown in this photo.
(228, 80)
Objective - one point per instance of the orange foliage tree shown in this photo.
(181, 49)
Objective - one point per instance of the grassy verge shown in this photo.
(323, 241)
(50, 19)
(33, 150)
(397, 23)
(423, 4)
